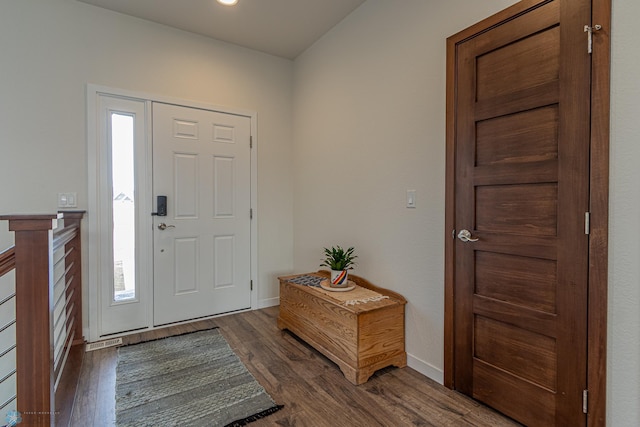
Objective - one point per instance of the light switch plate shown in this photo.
(411, 199)
(67, 200)
(72, 200)
(62, 200)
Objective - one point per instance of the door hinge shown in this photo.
(251, 281)
(587, 223)
(251, 213)
(585, 401)
(589, 30)
(250, 141)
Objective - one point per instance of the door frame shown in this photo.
(598, 195)
(97, 188)
(101, 221)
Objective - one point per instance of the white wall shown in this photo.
(373, 88)
(369, 123)
(369, 109)
(623, 385)
(50, 50)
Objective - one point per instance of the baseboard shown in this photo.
(269, 302)
(425, 368)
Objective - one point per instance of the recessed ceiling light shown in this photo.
(228, 2)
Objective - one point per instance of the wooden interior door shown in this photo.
(522, 138)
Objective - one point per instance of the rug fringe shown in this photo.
(169, 336)
(255, 417)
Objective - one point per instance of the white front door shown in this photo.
(202, 247)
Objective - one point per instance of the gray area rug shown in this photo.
(188, 380)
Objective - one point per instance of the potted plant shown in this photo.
(339, 261)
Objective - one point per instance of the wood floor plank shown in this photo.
(86, 394)
(422, 398)
(105, 412)
(68, 384)
(312, 388)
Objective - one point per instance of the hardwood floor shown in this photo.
(312, 388)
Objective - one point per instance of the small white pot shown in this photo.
(339, 278)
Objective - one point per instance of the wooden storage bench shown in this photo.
(360, 337)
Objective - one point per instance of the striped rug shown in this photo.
(188, 380)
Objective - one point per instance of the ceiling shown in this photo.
(283, 28)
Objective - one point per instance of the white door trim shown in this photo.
(96, 185)
(130, 314)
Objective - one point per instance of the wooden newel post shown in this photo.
(34, 312)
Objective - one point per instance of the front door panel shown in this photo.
(201, 162)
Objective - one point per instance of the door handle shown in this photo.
(163, 226)
(465, 236)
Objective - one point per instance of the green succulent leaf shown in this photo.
(337, 258)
